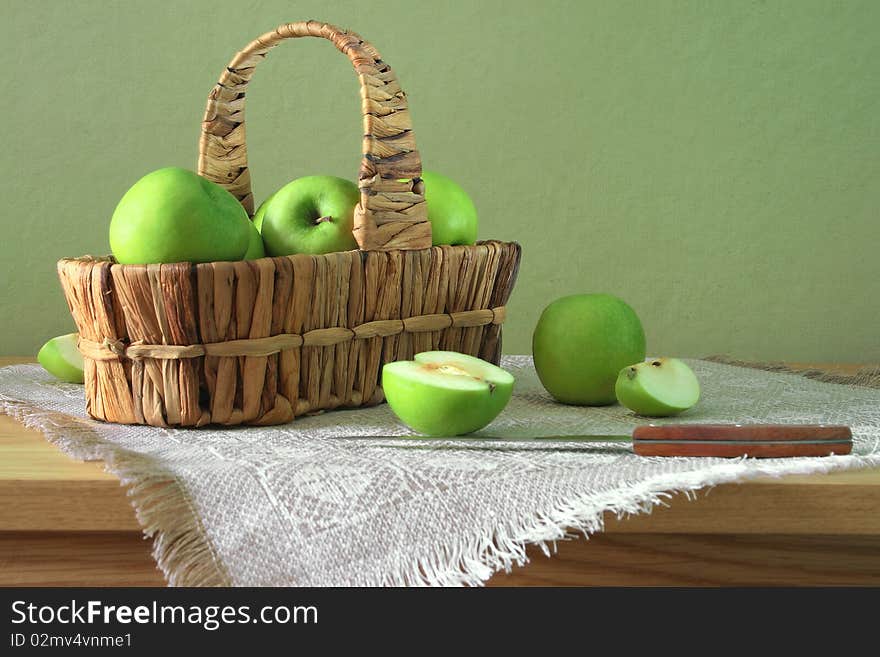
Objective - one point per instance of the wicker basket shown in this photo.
(263, 341)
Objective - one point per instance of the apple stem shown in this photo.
(323, 219)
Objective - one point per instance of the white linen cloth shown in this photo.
(310, 503)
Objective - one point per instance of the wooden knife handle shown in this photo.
(758, 432)
(734, 440)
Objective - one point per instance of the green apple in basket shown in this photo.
(255, 248)
(60, 358)
(260, 213)
(176, 215)
(451, 211)
(313, 214)
(657, 387)
(580, 345)
(444, 393)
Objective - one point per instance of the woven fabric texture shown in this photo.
(317, 502)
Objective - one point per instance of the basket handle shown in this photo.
(391, 213)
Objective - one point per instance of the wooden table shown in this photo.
(64, 522)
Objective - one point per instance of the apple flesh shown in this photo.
(451, 211)
(658, 387)
(314, 214)
(444, 393)
(175, 215)
(580, 344)
(60, 358)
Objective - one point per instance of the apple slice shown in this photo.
(60, 358)
(657, 387)
(444, 393)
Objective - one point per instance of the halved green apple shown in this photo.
(444, 393)
(60, 358)
(657, 387)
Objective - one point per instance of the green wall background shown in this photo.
(716, 164)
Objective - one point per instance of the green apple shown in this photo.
(60, 358)
(175, 215)
(580, 344)
(444, 393)
(260, 213)
(255, 248)
(451, 211)
(658, 387)
(314, 214)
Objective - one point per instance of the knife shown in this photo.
(718, 440)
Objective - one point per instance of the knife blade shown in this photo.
(713, 440)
